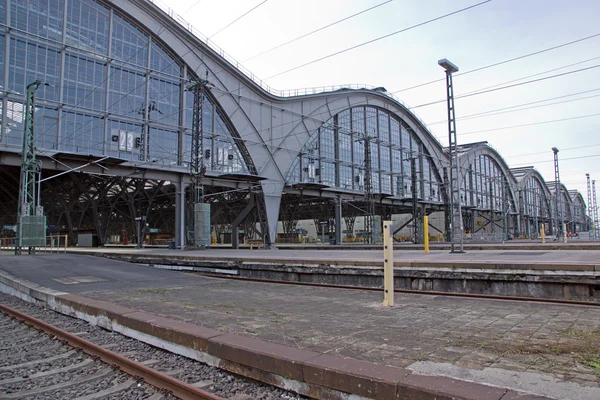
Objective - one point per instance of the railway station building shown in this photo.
(116, 141)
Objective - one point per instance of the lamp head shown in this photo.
(555, 150)
(447, 65)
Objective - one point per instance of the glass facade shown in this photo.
(115, 88)
(534, 201)
(335, 156)
(485, 187)
(564, 205)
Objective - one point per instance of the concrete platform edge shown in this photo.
(302, 371)
(224, 261)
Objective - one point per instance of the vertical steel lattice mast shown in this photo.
(31, 221)
(198, 169)
(559, 205)
(29, 166)
(454, 201)
(369, 218)
(595, 210)
(590, 207)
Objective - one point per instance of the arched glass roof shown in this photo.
(335, 156)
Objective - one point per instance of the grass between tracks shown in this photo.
(582, 346)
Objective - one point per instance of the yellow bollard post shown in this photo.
(388, 264)
(543, 233)
(426, 233)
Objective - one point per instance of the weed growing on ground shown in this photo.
(161, 291)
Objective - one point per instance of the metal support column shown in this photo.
(201, 212)
(505, 210)
(338, 221)
(414, 189)
(590, 208)
(595, 210)
(31, 221)
(559, 206)
(454, 207)
(369, 217)
(180, 214)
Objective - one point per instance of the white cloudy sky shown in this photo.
(493, 32)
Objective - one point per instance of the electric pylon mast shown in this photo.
(369, 220)
(590, 206)
(595, 210)
(201, 220)
(31, 220)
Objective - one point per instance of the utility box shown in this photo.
(32, 230)
(201, 224)
(87, 240)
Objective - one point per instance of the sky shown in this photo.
(486, 34)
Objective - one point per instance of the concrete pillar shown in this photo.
(338, 221)
(272, 193)
(180, 213)
(235, 237)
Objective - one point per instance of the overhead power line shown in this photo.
(317, 30)
(505, 110)
(507, 87)
(545, 152)
(500, 63)
(531, 124)
(532, 75)
(562, 159)
(237, 19)
(379, 38)
(193, 5)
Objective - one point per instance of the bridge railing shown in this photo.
(52, 244)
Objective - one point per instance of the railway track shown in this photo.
(46, 355)
(425, 292)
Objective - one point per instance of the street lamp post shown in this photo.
(559, 206)
(453, 155)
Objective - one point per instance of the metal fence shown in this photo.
(53, 244)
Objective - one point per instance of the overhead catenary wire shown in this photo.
(507, 87)
(505, 110)
(192, 6)
(533, 75)
(237, 19)
(379, 38)
(545, 152)
(562, 159)
(581, 39)
(249, 142)
(531, 124)
(500, 63)
(69, 135)
(316, 30)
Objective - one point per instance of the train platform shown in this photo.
(563, 259)
(325, 341)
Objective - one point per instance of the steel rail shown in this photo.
(409, 291)
(155, 378)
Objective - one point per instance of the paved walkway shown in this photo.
(563, 341)
(550, 350)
